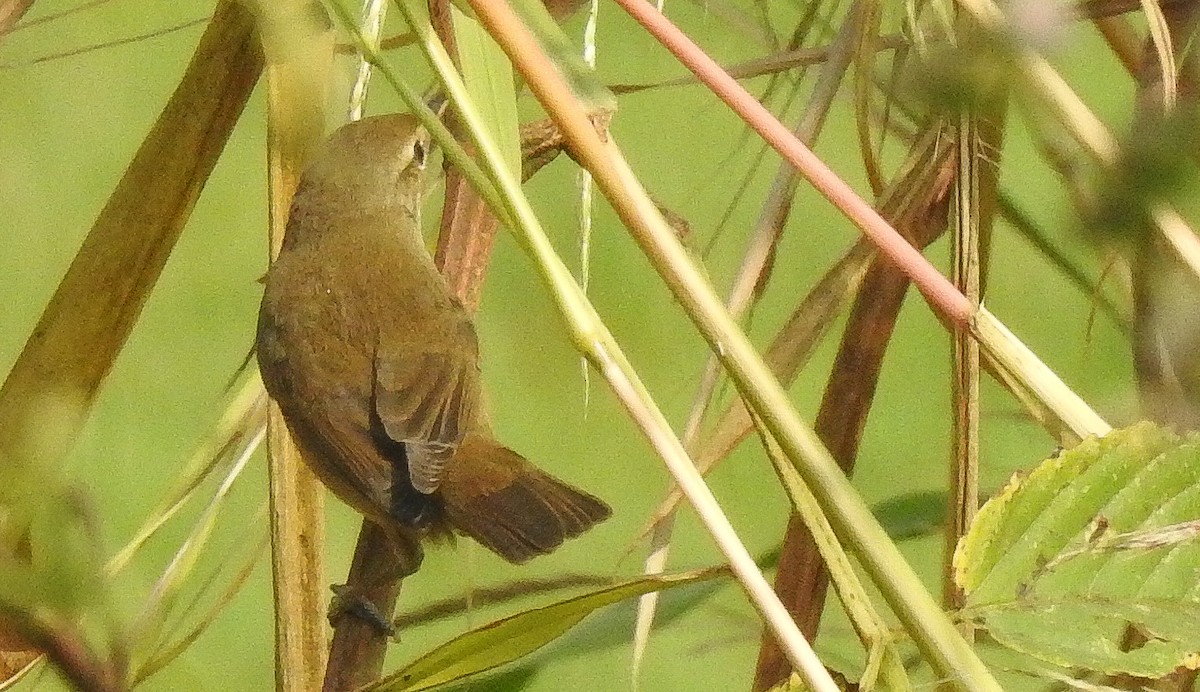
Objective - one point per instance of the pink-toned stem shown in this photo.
(938, 290)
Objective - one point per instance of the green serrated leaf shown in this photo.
(1088, 635)
(1034, 517)
(1094, 543)
(506, 640)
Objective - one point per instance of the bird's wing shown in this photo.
(425, 396)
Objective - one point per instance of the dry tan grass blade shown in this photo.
(94, 309)
(299, 44)
(11, 12)
(85, 325)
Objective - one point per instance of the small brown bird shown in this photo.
(375, 365)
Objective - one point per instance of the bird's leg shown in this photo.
(375, 579)
(347, 601)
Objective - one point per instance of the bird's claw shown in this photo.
(347, 601)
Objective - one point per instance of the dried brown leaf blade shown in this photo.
(917, 203)
(15, 665)
(94, 309)
(85, 325)
(11, 12)
(299, 42)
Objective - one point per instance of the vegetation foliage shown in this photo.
(1028, 168)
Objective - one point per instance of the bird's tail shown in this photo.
(511, 507)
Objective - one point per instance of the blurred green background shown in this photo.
(72, 124)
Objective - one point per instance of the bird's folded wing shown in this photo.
(425, 398)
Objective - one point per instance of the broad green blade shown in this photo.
(488, 76)
(566, 56)
(507, 640)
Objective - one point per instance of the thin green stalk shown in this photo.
(851, 518)
(417, 106)
(1020, 368)
(596, 343)
(884, 667)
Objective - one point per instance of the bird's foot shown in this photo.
(347, 601)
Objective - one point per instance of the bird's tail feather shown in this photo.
(511, 507)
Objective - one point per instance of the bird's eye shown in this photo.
(418, 155)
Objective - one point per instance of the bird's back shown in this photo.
(375, 366)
